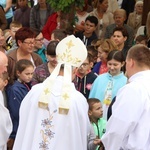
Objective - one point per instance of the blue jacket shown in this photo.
(100, 84)
(15, 94)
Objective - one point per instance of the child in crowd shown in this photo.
(95, 115)
(141, 39)
(106, 85)
(84, 77)
(10, 35)
(88, 35)
(92, 50)
(3, 82)
(58, 34)
(16, 92)
(44, 70)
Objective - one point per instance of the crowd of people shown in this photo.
(78, 81)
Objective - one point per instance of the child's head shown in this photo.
(51, 53)
(14, 27)
(91, 23)
(24, 70)
(58, 34)
(115, 62)
(95, 109)
(86, 66)
(141, 39)
(3, 80)
(91, 50)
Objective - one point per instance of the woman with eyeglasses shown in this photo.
(25, 39)
(39, 47)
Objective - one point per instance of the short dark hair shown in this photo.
(59, 34)
(24, 33)
(92, 101)
(91, 49)
(92, 19)
(141, 38)
(122, 30)
(51, 48)
(116, 55)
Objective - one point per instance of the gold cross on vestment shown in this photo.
(69, 44)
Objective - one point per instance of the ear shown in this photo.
(5, 82)
(91, 64)
(125, 38)
(122, 64)
(19, 42)
(18, 73)
(90, 113)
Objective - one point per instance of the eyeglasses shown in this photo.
(29, 43)
(41, 39)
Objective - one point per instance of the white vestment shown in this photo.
(129, 126)
(41, 129)
(5, 124)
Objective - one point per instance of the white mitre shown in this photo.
(70, 52)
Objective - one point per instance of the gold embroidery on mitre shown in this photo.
(67, 57)
(70, 44)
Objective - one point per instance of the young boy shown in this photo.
(95, 114)
(92, 50)
(88, 35)
(10, 35)
(84, 77)
(141, 39)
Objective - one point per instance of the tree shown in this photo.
(66, 5)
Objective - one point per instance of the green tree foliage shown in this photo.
(65, 5)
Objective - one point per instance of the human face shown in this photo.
(26, 75)
(2, 39)
(3, 63)
(102, 55)
(27, 46)
(22, 3)
(85, 67)
(142, 42)
(13, 31)
(52, 60)
(119, 19)
(89, 27)
(96, 112)
(114, 67)
(118, 38)
(104, 5)
(139, 8)
(39, 41)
